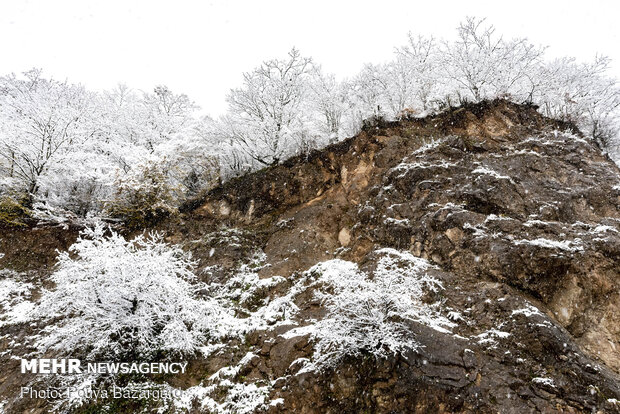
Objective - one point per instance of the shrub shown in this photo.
(370, 313)
(125, 299)
(143, 197)
(13, 211)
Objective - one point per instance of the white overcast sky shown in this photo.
(201, 47)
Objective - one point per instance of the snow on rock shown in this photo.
(15, 306)
(427, 147)
(404, 167)
(528, 311)
(543, 381)
(566, 245)
(492, 173)
(488, 337)
(604, 229)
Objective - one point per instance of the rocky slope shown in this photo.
(511, 221)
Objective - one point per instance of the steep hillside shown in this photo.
(465, 262)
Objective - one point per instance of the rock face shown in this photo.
(518, 217)
(521, 214)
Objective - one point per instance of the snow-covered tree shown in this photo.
(482, 65)
(583, 94)
(166, 114)
(192, 158)
(266, 117)
(120, 299)
(418, 62)
(328, 102)
(397, 81)
(368, 93)
(42, 119)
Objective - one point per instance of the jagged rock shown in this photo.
(491, 193)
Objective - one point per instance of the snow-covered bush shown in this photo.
(368, 312)
(266, 116)
(121, 299)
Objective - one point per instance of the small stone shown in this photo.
(224, 209)
(344, 237)
(454, 234)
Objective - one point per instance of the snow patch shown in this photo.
(528, 311)
(566, 245)
(397, 222)
(543, 381)
(604, 229)
(404, 167)
(15, 306)
(489, 336)
(493, 173)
